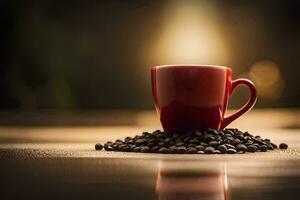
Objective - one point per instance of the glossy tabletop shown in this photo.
(59, 162)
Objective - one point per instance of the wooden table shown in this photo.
(59, 162)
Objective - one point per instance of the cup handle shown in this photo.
(250, 103)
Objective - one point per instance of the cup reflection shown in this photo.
(176, 182)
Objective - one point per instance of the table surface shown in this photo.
(60, 161)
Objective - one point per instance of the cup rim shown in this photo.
(190, 65)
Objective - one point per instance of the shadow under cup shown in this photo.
(190, 98)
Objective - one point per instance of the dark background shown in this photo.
(82, 55)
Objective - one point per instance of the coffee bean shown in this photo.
(236, 141)
(127, 139)
(275, 146)
(98, 146)
(137, 149)
(263, 148)
(229, 132)
(115, 147)
(213, 143)
(213, 132)
(231, 129)
(246, 138)
(173, 149)
(132, 146)
(155, 149)
(222, 148)
(129, 142)
(198, 133)
(137, 137)
(160, 140)
(118, 143)
(204, 144)
(209, 150)
(161, 144)
(241, 136)
(168, 139)
(219, 139)
(255, 144)
(163, 150)
(181, 150)
(249, 142)
(140, 141)
(267, 140)
(109, 143)
(152, 140)
(107, 147)
(251, 148)
(217, 152)
(229, 146)
(191, 145)
(191, 150)
(270, 147)
(283, 146)
(200, 148)
(221, 133)
(156, 132)
(231, 151)
(247, 134)
(145, 149)
(145, 134)
(180, 144)
(259, 141)
(178, 140)
(211, 138)
(151, 145)
(209, 141)
(124, 147)
(194, 141)
(241, 147)
(186, 139)
(206, 139)
(161, 135)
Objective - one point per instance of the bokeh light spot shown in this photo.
(268, 80)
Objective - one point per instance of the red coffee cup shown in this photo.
(192, 97)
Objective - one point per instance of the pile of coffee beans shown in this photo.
(206, 141)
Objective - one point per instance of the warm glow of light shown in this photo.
(190, 34)
(268, 80)
(225, 179)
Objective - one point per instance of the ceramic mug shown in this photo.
(192, 97)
